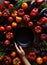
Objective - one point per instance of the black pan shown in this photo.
(24, 36)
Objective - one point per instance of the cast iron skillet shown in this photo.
(24, 36)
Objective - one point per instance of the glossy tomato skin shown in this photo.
(45, 58)
(38, 29)
(30, 24)
(2, 28)
(21, 12)
(14, 25)
(11, 6)
(6, 42)
(8, 28)
(42, 21)
(10, 19)
(9, 35)
(39, 60)
(7, 60)
(34, 12)
(6, 3)
(32, 56)
(39, 2)
(16, 61)
(26, 18)
(13, 54)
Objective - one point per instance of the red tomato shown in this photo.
(38, 29)
(8, 28)
(2, 28)
(26, 18)
(39, 2)
(0, 58)
(45, 58)
(7, 60)
(13, 54)
(6, 3)
(10, 19)
(30, 24)
(9, 35)
(6, 42)
(32, 56)
(11, 6)
(34, 12)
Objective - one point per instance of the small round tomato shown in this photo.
(26, 18)
(13, 54)
(18, 19)
(45, 58)
(6, 42)
(0, 58)
(8, 28)
(38, 29)
(32, 56)
(16, 61)
(39, 60)
(0, 13)
(14, 14)
(10, 19)
(2, 29)
(9, 35)
(39, 2)
(14, 25)
(24, 6)
(20, 12)
(7, 60)
(30, 24)
(6, 3)
(11, 6)
(5, 13)
(34, 12)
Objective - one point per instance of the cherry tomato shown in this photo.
(9, 35)
(24, 6)
(45, 58)
(13, 54)
(5, 13)
(38, 29)
(11, 6)
(21, 12)
(10, 19)
(14, 14)
(32, 56)
(7, 60)
(6, 42)
(18, 19)
(16, 61)
(30, 24)
(14, 25)
(0, 58)
(8, 28)
(2, 29)
(39, 60)
(34, 12)
(6, 3)
(0, 13)
(26, 18)
(39, 2)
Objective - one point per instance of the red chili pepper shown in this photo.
(43, 20)
(34, 12)
(32, 56)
